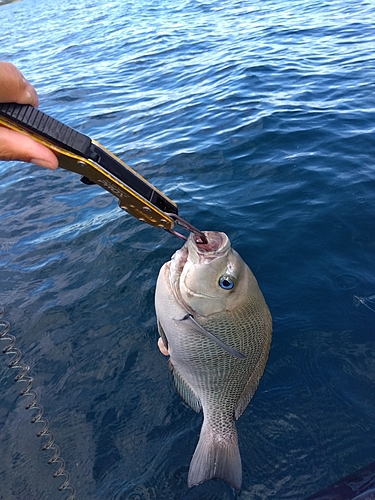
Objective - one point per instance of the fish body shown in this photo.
(215, 323)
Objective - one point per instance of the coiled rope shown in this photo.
(23, 376)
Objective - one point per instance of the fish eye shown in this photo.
(226, 282)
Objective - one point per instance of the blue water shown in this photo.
(258, 119)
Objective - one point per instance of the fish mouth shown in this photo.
(217, 245)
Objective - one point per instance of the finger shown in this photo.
(16, 146)
(162, 347)
(14, 87)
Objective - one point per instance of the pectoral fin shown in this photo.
(231, 350)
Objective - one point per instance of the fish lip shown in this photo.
(178, 260)
(174, 270)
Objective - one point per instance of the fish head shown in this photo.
(209, 278)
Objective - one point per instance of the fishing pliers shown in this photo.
(85, 156)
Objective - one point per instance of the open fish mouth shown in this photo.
(217, 245)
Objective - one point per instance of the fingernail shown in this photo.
(42, 163)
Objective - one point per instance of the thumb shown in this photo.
(19, 147)
(14, 87)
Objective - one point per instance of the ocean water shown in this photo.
(257, 119)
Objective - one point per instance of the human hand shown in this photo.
(14, 145)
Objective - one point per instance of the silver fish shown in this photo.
(217, 328)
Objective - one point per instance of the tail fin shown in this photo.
(216, 456)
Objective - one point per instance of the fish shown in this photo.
(216, 327)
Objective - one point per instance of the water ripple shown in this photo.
(258, 120)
